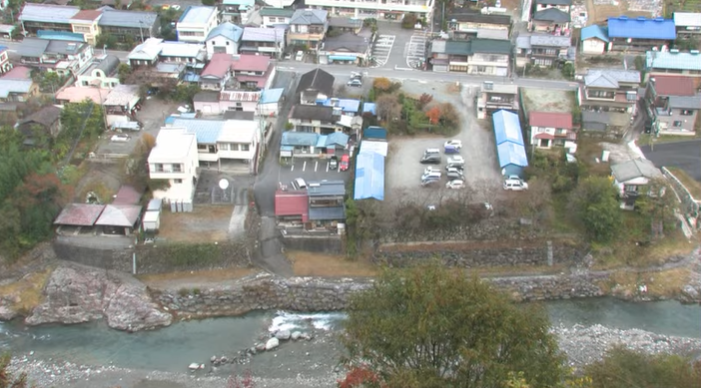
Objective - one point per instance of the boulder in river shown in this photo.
(283, 335)
(7, 314)
(272, 344)
(296, 335)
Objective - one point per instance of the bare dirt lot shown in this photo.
(316, 264)
(203, 224)
(547, 100)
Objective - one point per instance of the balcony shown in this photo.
(662, 111)
(382, 5)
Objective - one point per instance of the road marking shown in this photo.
(316, 165)
(304, 166)
(327, 166)
(292, 168)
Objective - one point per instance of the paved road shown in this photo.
(685, 154)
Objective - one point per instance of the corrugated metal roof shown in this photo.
(369, 176)
(377, 147)
(326, 188)
(685, 102)
(262, 34)
(551, 120)
(277, 12)
(327, 213)
(635, 168)
(300, 139)
(119, 215)
(673, 61)
(511, 154)
(206, 131)
(131, 19)
(127, 195)
(594, 31)
(641, 28)
(507, 127)
(79, 214)
(673, 85)
(291, 203)
(48, 13)
(336, 139)
(228, 30)
(60, 35)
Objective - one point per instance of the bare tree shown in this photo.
(388, 107)
(536, 202)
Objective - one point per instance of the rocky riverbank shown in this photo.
(581, 344)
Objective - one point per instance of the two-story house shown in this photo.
(476, 56)
(632, 179)
(224, 38)
(346, 48)
(236, 11)
(193, 55)
(494, 97)
(5, 64)
(217, 73)
(311, 145)
(594, 39)
(145, 54)
(307, 28)
(543, 50)
(263, 41)
(252, 72)
(15, 88)
(211, 103)
(35, 17)
(688, 24)
(674, 62)
(640, 34)
(175, 159)
(612, 93)
(552, 16)
(326, 203)
(102, 73)
(465, 26)
(339, 25)
(322, 120)
(316, 85)
(376, 9)
(672, 105)
(126, 26)
(276, 17)
(551, 129)
(63, 57)
(86, 22)
(196, 23)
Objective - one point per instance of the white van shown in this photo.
(430, 151)
(515, 184)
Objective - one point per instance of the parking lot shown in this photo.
(382, 49)
(311, 170)
(415, 50)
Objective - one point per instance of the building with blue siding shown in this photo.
(511, 150)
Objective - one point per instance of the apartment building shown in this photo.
(196, 23)
(376, 9)
(63, 57)
(35, 17)
(175, 159)
(134, 26)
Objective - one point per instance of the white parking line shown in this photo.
(316, 165)
(327, 166)
(292, 168)
(304, 166)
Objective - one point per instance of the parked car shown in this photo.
(431, 175)
(300, 56)
(355, 83)
(456, 160)
(356, 75)
(432, 151)
(449, 149)
(345, 162)
(120, 138)
(515, 183)
(454, 173)
(453, 143)
(299, 184)
(175, 7)
(456, 184)
(431, 159)
(430, 182)
(333, 163)
(430, 169)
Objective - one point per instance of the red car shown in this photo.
(345, 162)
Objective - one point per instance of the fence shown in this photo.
(690, 206)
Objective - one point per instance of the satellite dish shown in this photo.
(223, 184)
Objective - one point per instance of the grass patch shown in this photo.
(318, 264)
(663, 284)
(690, 183)
(626, 252)
(26, 293)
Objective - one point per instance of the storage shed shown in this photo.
(511, 150)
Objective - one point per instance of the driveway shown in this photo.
(685, 154)
(311, 170)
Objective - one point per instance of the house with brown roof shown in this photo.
(551, 129)
(252, 72)
(672, 104)
(46, 121)
(86, 22)
(322, 120)
(77, 216)
(291, 206)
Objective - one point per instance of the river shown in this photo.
(172, 349)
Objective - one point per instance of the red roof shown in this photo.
(87, 14)
(544, 135)
(248, 62)
(127, 195)
(551, 120)
(218, 65)
(18, 72)
(79, 214)
(674, 86)
(292, 203)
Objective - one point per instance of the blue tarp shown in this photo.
(375, 133)
(342, 58)
(369, 176)
(511, 154)
(369, 107)
(641, 28)
(60, 35)
(507, 127)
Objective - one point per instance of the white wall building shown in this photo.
(196, 23)
(379, 9)
(174, 158)
(224, 38)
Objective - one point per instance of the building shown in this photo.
(196, 23)
(85, 22)
(129, 26)
(315, 85)
(326, 203)
(175, 159)
(224, 38)
(119, 219)
(217, 73)
(210, 103)
(552, 16)
(120, 104)
(76, 216)
(640, 34)
(379, 9)
(35, 17)
(291, 206)
(47, 120)
(307, 28)
(17, 86)
(347, 106)
(511, 151)
(632, 178)
(275, 17)
(75, 94)
(688, 24)
(5, 64)
(551, 129)
(193, 55)
(252, 72)
(672, 105)
(465, 26)
(346, 48)
(369, 172)
(236, 11)
(611, 91)
(315, 118)
(543, 50)
(311, 145)
(263, 41)
(270, 100)
(145, 54)
(63, 57)
(102, 73)
(476, 56)
(674, 62)
(494, 97)
(594, 39)
(345, 24)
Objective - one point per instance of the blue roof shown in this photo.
(374, 133)
(206, 131)
(507, 127)
(228, 30)
(337, 138)
(3, 48)
(321, 141)
(512, 154)
(170, 119)
(370, 107)
(290, 138)
(369, 176)
(673, 61)
(346, 105)
(642, 28)
(248, 3)
(60, 35)
(595, 31)
(191, 77)
(271, 96)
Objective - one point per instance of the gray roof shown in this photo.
(197, 14)
(46, 116)
(326, 188)
(309, 16)
(8, 86)
(552, 15)
(262, 34)
(550, 40)
(277, 12)
(595, 117)
(32, 47)
(610, 78)
(316, 80)
(48, 13)
(239, 115)
(228, 30)
(347, 42)
(327, 213)
(312, 112)
(108, 64)
(132, 19)
(206, 97)
(478, 17)
(636, 168)
(345, 22)
(554, 2)
(64, 47)
(685, 102)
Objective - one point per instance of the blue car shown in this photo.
(450, 149)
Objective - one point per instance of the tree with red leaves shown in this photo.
(434, 114)
(360, 376)
(245, 381)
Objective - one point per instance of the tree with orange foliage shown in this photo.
(382, 84)
(434, 114)
(359, 376)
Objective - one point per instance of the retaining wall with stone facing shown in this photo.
(269, 292)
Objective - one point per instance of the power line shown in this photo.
(80, 135)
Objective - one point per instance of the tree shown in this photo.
(434, 114)
(382, 84)
(537, 200)
(568, 70)
(595, 202)
(6, 378)
(388, 107)
(639, 63)
(686, 44)
(424, 100)
(429, 326)
(658, 205)
(123, 70)
(626, 368)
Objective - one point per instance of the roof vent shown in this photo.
(642, 18)
(694, 52)
(674, 51)
(658, 19)
(623, 18)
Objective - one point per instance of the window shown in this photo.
(244, 147)
(223, 146)
(177, 181)
(687, 112)
(227, 42)
(677, 124)
(158, 167)
(177, 168)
